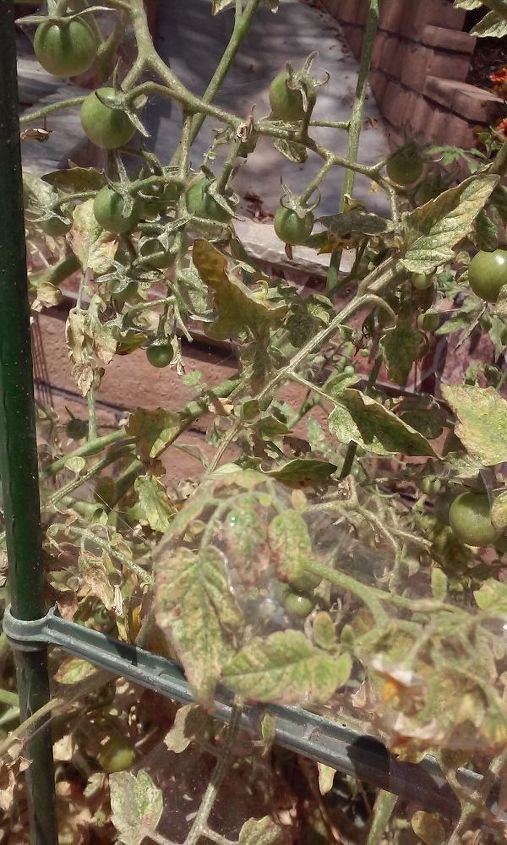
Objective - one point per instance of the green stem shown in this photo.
(88, 449)
(92, 415)
(385, 803)
(33, 116)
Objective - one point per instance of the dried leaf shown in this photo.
(326, 778)
(290, 545)
(429, 828)
(73, 670)
(190, 723)
(94, 574)
(260, 832)
(94, 247)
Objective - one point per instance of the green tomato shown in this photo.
(54, 226)
(306, 582)
(156, 255)
(108, 210)
(201, 203)
(286, 103)
(428, 322)
(116, 755)
(66, 49)
(298, 605)
(160, 355)
(292, 229)
(157, 200)
(405, 167)
(487, 274)
(422, 281)
(105, 127)
(470, 519)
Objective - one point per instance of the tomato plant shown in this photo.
(291, 511)
(66, 49)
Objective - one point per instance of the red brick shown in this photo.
(448, 39)
(391, 12)
(437, 12)
(378, 47)
(354, 35)
(378, 82)
(391, 52)
(417, 63)
(468, 101)
(419, 117)
(397, 103)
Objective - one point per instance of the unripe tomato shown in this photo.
(428, 322)
(158, 200)
(405, 167)
(156, 255)
(306, 582)
(422, 281)
(54, 226)
(470, 519)
(107, 128)
(487, 274)
(299, 605)
(160, 355)
(66, 49)
(108, 210)
(286, 104)
(201, 203)
(292, 229)
(116, 755)
(349, 370)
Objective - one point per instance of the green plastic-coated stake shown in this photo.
(18, 450)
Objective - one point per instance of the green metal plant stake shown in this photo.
(18, 450)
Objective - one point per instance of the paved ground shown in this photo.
(193, 41)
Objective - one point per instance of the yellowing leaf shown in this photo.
(482, 426)
(364, 421)
(196, 612)
(238, 307)
(153, 431)
(154, 503)
(260, 832)
(499, 511)
(435, 228)
(290, 544)
(492, 597)
(286, 667)
(73, 670)
(429, 828)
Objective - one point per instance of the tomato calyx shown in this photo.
(294, 220)
(293, 93)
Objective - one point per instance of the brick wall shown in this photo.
(420, 63)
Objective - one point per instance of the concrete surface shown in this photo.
(192, 42)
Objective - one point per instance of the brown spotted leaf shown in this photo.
(153, 430)
(136, 805)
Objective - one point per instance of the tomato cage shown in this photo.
(32, 629)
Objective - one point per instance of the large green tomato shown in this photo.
(470, 519)
(108, 211)
(292, 229)
(160, 355)
(405, 167)
(67, 49)
(487, 274)
(107, 128)
(286, 103)
(202, 204)
(298, 605)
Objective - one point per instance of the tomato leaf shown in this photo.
(492, 25)
(76, 179)
(94, 247)
(290, 544)
(153, 430)
(436, 227)
(482, 426)
(492, 597)
(73, 670)
(428, 828)
(136, 804)
(401, 347)
(286, 667)
(155, 503)
(261, 832)
(237, 306)
(356, 222)
(499, 511)
(364, 421)
(303, 471)
(195, 610)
